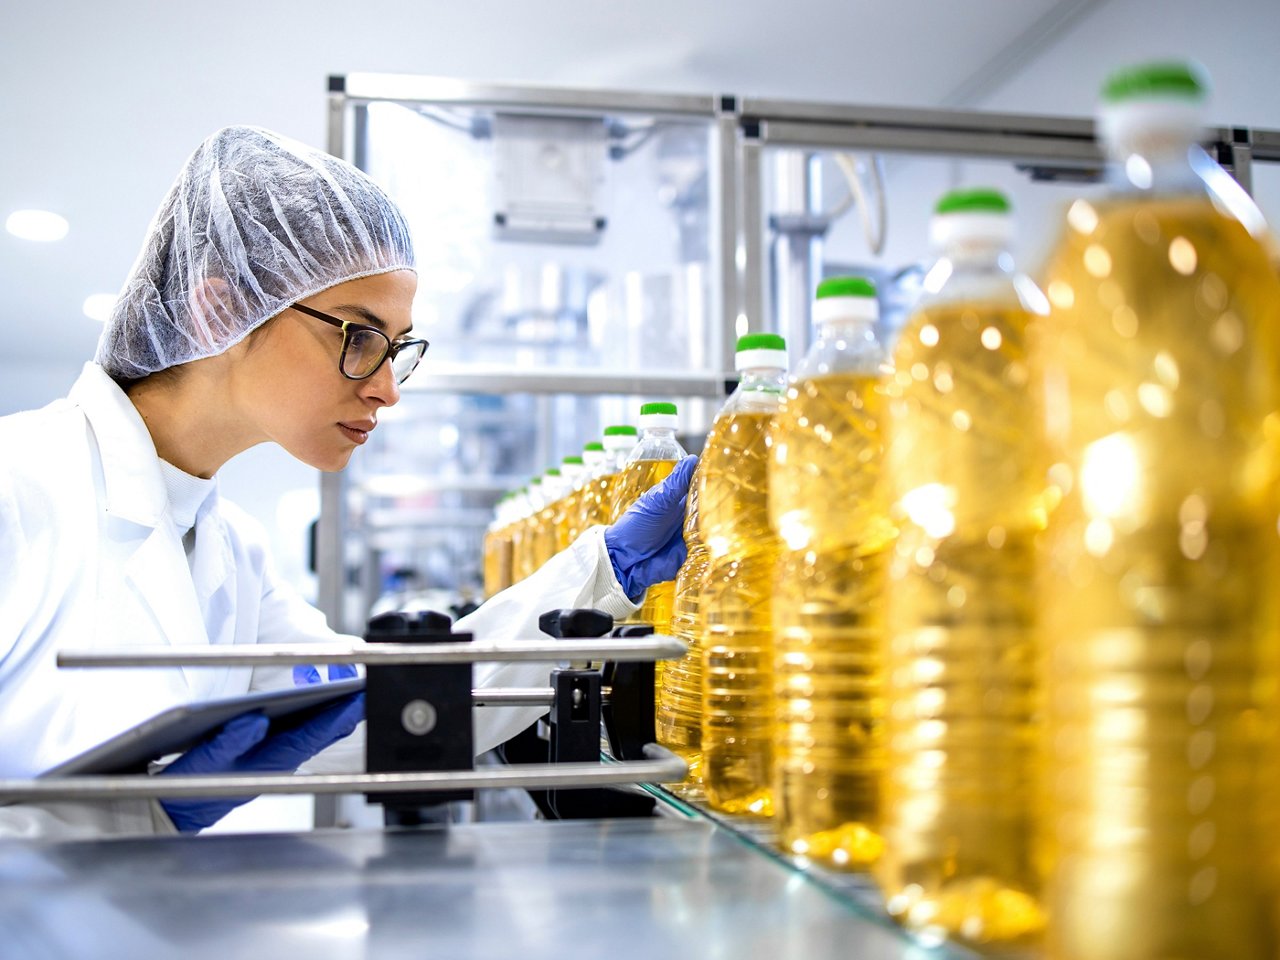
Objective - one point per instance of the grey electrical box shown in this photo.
(549, 178)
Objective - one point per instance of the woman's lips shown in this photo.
(354, 433)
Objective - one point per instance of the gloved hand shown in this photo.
(646, 545)
(242, 746)
(305, 676)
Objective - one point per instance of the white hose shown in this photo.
(873, 230)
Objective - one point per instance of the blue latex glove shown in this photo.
(308, 675)
(646, 545)
(242, 746)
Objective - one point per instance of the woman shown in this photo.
(271, 302)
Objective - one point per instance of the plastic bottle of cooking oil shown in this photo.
(679, 703)
(597, 498)
(833, 535)
(736, 603)
(524, 533)
(592, 456)
(497, 548)
(649, 463)
(553, 489)
(1159, 572)
(566, 508)
(964, 483)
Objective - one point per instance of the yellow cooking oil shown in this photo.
(737, 600)
(545, 526)
(1158, 580)
(637, 477)
(679, 702)
(1157, 592)
(596, 504)
(964, 481)
(569, 506)
(736, 611)
(834, 534)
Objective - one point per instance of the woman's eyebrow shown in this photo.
(372, 319)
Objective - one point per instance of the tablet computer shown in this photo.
(180, 728)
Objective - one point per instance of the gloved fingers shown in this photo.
(663, 566)
(341, 671)
(220, 752)
(305, 676)
(289, 748)
(674, 487)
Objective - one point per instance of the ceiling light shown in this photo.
(98, 306)
(39, 225)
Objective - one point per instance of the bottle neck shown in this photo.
(846, 328)
(763, 380)
(657, 433)
(978, 254)
(1155, 168)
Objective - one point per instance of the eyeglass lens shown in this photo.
(365, 350)
(404, 362)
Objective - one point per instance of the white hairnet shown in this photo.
(254, 223)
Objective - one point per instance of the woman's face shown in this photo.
(287, 382)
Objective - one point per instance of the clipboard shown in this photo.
(180, 728)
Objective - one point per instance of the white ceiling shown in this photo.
(104, 101)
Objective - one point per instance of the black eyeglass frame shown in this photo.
(393, 347)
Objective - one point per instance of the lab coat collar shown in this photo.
(130, 465)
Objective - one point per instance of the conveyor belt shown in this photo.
(650, 888)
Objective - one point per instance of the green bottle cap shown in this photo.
(846, 287)
(552, 472)
(573, 460)
(1169, 79)
(976, 200)
(624, 430)
(651, 408)
(594, 445)
(761, 341)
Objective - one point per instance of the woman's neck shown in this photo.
(190, 419)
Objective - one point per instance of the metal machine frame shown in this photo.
(1045, 146)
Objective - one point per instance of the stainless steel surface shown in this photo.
(941, 141)
(1266, 144)
(655, 647)
(754, 273)
(477, 378)
(727, 208)
(509, 696)
(662, 767)
(798, 228)
(407, 88)
(920, 119)
(625, 890)
(1241, 153)
(330, 568)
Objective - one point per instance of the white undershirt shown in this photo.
(186, 495)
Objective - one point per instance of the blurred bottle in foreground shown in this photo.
(1157, 589)
(963, 480)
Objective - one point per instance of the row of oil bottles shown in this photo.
(993, 616)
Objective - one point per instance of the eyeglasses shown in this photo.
(365, 347)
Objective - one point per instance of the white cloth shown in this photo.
(91, 558)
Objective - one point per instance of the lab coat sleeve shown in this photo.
(579, 576)
(16, 593)
(73, 821)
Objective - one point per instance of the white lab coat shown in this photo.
(90, 559)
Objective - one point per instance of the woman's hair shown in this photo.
(254, 223)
